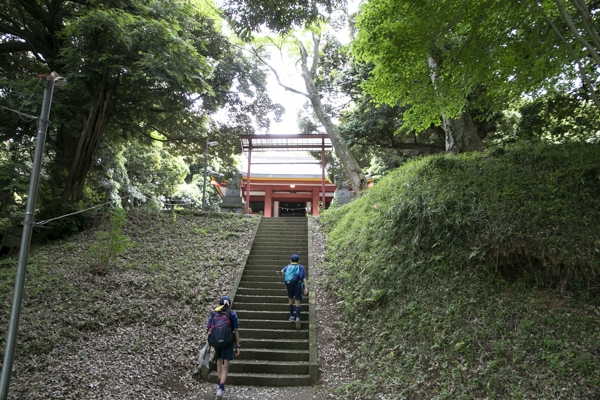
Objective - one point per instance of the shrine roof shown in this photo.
(287, 142)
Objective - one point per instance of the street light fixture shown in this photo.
(205, 166)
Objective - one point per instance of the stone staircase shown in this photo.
(274, 352)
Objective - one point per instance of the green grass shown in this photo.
(474, 276)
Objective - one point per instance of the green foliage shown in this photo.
(109, 244)
(368, 128)
(138, 72)
(188, 194)
(248, 16)
(14, 177)
(481, 54)
(444, 269)
(555, 117)
(529, 210)
(558, 118)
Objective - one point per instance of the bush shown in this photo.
(109, 244)
(444, 266)
(528, 212)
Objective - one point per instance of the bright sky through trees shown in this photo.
(289, 71)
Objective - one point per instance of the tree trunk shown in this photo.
(88, 142)
(353, 170)
(461, 134)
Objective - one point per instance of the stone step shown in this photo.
(280, 299)
(284, 251)
(286, 344)
(283, 247)
(261, 306)
(275, 244)
(297, 233)
(268, 367)
(262, 285)
(266, 266)
(268, 334)
(262, 292)
(264, 379)
(283, 229)
(283, 222)
(279, 259)
(265, 271)
(268, 274)
(279, 315)
(274, 263)
(272, 354)
(259, 281)
(280, 252)
(280, 325)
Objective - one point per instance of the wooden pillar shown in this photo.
(248, 177)
(315, 201)
(268, 201)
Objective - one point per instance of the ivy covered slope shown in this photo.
(474, 276)
(131, 326)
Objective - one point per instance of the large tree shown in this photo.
(367, 127)
(145, 68)
(443, 59)
(309, 70)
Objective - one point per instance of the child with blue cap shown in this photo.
(296, 291)
(224, 355)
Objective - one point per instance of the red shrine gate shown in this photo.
(279, 194)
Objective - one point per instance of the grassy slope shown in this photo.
(137, 329)
(450, 272)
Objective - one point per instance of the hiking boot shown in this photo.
(298, 323)
(219, 393)
(292, 319)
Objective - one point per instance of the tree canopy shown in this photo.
(442, 58)
(280, 16)
(144, 69)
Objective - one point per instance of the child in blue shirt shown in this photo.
(295, 292)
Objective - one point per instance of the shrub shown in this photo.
(109, 244)
(443, 268)
(529, 211)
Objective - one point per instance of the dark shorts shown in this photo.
(294, 293)
(225, 354)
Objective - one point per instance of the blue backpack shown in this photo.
(220, 333)
(291, 276)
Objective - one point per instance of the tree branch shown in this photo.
(14, 47)
(590, 26)
(580, 69)
(288, 88)
(567, 18)
(315, 61)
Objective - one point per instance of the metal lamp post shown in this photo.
(205, 166)
(28, 223)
